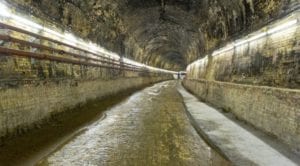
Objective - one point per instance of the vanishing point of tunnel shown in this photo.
(149, 82)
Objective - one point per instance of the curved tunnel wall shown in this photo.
(169, 37)
(41, 75)
(148, 33)
(257, 78)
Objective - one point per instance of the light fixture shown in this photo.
(240, 42)
(222, 50)
(258, 36)
(51, 32)
(68, 38)
(4, 11)
(244, 41)
(276, 29)
(283, 26)
(28, 23)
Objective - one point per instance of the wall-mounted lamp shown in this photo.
(283, 26)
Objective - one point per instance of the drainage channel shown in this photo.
(31, 147)
(150, 127)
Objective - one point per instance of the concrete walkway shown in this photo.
(241, 145)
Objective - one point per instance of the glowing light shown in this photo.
(4, 11)
(126, 60)
(240, 42)
(160, 70)
(283, 26)
(92, 47)
(222, 50)
(271, 31)
(26, 22)
(50, 31)
(250, 38)
(68, 38)
(263, 34)
(255, 37)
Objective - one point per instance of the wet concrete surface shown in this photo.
(28, 149)
(240, 142)
(148, 128)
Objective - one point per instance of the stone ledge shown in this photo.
(240, 143)
(275, 111)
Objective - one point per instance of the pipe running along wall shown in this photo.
(45, 72)
(257, 78)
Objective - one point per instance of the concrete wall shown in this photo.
(32, 89)
(24, 106)
(273, 110)
(270, 60)
(258, 80)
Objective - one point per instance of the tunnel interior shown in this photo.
(149, 82)
(168, 34)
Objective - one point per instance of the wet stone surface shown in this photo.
(149, 128)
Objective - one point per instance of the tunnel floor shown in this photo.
(150, 127)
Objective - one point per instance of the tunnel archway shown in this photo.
(149, 82)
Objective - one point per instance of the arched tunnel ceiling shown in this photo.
(162, 33)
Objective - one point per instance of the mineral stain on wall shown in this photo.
(256, 78)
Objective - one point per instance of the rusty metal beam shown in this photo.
(8, 38)
(13, 52)
(114, 64)
(60, 51)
